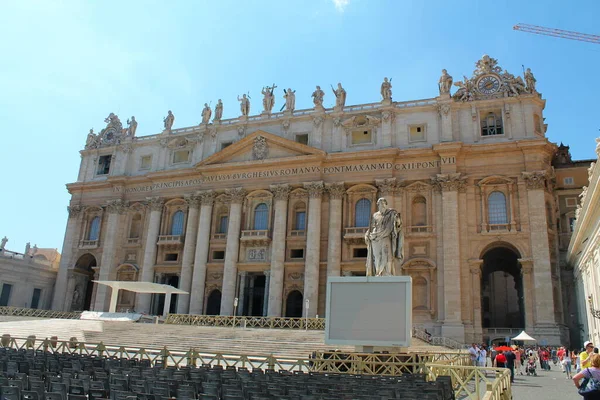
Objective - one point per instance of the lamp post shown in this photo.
(306, 305)
(235, 304)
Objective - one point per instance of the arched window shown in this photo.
(419, 211)
(261, 217)
(362, 213)
(136, 226)
(491, 124)
(497, 208)
(94, 232)
(177, 223)
(300, 216)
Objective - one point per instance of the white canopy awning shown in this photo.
(140, 287)
(523, 336)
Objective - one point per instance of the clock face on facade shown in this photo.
(489, 84)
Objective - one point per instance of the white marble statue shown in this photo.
(168, 121)
(445, 82)
(340, 96)
(218, 111)
(92, 140)
(290, 99)
(317, 96)
(27, 248)
(268, 98)
(386, 89)
(34, 250)
(3, 243)
(384, 240)
(206, 113)
(244, 105)
(530, 81)
(131, 126)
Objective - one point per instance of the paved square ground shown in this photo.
(548, 385)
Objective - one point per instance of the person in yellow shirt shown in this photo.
(584, 357)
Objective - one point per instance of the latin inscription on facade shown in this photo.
(292, 171)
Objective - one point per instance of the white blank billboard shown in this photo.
(369, 311)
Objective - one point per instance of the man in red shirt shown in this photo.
(545, 357)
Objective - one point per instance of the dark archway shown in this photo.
(213, 304)
(502, 302)
(293, 304)
(84, 287)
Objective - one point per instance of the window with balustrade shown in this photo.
(491, 123)
(177, 223)
(94, 230)
(135, 229)
(419, 211)
(300, 220)
(497, 210)
(261, 217)
(362, 213)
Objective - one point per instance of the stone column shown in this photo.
(475, 267)
(334, 241)
(242, 276)
(275, 299)
(115, 208)
(207, 198)
(236, 196)
(189, 246)
(313, 246)
(528, 292)
(155, 204)
(266, 295)
(66, 260)
(450, 184)
(540, 248)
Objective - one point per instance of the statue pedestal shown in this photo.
(319, 109)
(386, 102)
(371, 312)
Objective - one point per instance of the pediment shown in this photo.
(261, 146)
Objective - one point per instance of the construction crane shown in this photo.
(540, 30)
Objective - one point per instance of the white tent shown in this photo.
(140, 287)
(523, 336)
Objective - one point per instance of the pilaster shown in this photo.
(528, 292)
(189, 246)
(206, 199)
(334, 243)
(155, 205)
(313, 244)
(275, 282)
(475, 266)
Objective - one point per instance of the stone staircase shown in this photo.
(44, 328)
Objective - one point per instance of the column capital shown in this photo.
(315, 189)
(236, 195)
(450, 182)
(280, 192)
(243, 274)
(267, 273)
(75, 210)
(535, 179)
(192, 200)
(475, 262)
(336, 190)
(155, 203)
(207, 197)
(526, 265)
(117, 206)
(386, 186)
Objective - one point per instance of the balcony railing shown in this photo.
(88, 244)
(498, 227)
(298, 233)
(255, 235)
(134, 241)
(170, 239)
(356, 231)
(219, 236)
(420, 229)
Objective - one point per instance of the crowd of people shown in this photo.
(575, 364)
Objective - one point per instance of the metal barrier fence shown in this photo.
(314, 324)
(33, 312)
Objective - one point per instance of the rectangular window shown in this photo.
(359, 252)
(171, 256)
(35, 299)
(225, 144)
(302, 139)
(297, 253)
(569, 180)
(218, 255)
(301, 220)
(416, 133)
(491, 123)
(5, 296)
(103, 165)
(362, 137)
(571, 201)
(223, 222)
(181, 156)
(146, 162)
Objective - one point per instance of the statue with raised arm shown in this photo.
(268, 98)
(244, 105)
(340, 96)
(445, 82)
(384, 240)
(386, 89)
(206, 113)
(530, 81)
(3, 243)
(131, 126)
(168, 121)
(290, 99)
(317, 96)
(92, 140)
(218, 111)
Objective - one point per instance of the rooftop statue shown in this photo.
(317, 96)
(445, 82)
(513, 86)
(218, 111)
(386, 89)
(465, 90)
(340, 96)
(206, 113)
(530, 81)
(290, 99)
(486, 65)
(268, 98)
(131, 126)
(112, 121)
(168, 121)
(384, 240)
(244, 105)
(92, 140)
(3, 243)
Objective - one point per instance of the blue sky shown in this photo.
(67, 64)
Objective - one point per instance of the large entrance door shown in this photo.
(253, 295)
(158, 302)
(213, 304)
(293, 304)
(502, 290)
(83, 287)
